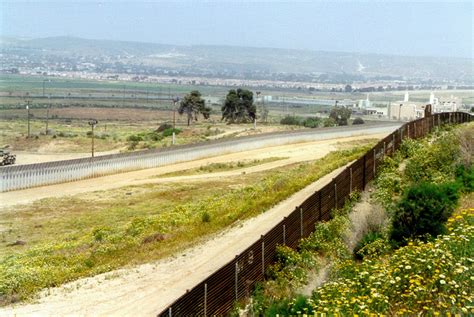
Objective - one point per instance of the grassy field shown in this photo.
(69, 129)
(221, 167)
(57, 240)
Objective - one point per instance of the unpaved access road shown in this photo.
(292, 152)
(146, 289)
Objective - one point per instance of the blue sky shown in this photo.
(400, 28)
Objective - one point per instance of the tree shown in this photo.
(340, 115)
(238, 106)
(348, 88)
(193, 105)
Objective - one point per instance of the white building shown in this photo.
(406, 110)
(445, 105)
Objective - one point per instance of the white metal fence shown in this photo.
(25, 176)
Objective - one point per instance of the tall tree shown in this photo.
(340, 115)
(238, 106)
(193, 105)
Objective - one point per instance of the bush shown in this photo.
(206, 217)
(291, 120)
(134, 138)
(311, 122)
(329, 122)
(358, 121)
(155, 136)
(164, 126)
(433, 162)
(423, 212)
(465, 178)
(169, 132)
(368, 239)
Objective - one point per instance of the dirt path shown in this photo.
(147, 289)
(294, 153)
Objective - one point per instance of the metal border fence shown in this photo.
(235, 280)
(25, 176)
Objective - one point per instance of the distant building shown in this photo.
(364, 104)
(366, 107)
(446, 104)
(406, 110)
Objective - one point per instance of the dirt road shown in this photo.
(293, 152)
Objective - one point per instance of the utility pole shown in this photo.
(123, 96)
(28, 114)
(44, 82)
(175, 101)
(47, 114)
(255, 119)
(93, 123)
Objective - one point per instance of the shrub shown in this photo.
(206, 217)
(369, 238)
(164, 126)
(155, 136)
(169, 132)
(358, 121)
(434, 162)
(311, 122)
(329, 122)
(134, 138)
(290, 120)
(423, 211)
(465, 178)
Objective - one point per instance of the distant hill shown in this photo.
(222, 59)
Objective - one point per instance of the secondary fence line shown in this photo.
(234, 281)
(25, 176)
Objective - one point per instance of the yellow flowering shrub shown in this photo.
(432, 278)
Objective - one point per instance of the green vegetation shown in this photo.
(311, 122)
(429, 278)
(423, 211)
(75, 237)
(340, 115)
(238, 106)
(192, 105)
(428, 275)
(293, 267)
(150, 140)
(222, 167)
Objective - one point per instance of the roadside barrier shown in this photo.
(235, 281)
(16, 177)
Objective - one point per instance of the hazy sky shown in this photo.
(402, 28)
